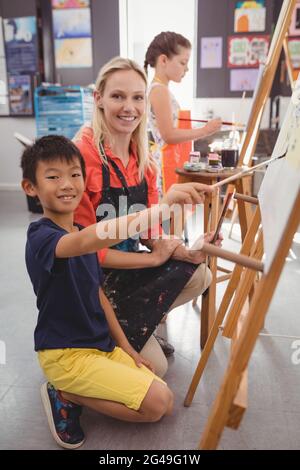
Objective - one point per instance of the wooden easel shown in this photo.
(284, 214)
(208, 309)
(223, 406)
(231, 401)
(266, 82)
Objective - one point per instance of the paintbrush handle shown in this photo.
(244, 172)
(225, 123)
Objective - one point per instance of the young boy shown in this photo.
(81, 347)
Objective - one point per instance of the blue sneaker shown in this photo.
(63, 418)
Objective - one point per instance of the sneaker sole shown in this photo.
(48, 410)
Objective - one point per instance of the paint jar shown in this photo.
(194, 157)
(229, 158)
(214, 162)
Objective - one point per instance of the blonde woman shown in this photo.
(141, 286)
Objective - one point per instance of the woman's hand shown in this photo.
(195, 256)
(212, 126)
(162, 250)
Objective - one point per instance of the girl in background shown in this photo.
(169, 54)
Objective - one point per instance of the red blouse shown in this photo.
(85, 213)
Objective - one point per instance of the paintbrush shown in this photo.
(246, 171)
(224, 123)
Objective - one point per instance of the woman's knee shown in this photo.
(157, 402)
(201, 279)
(153, 353)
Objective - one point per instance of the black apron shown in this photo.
(139, 297)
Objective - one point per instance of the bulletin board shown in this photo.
(218, 63)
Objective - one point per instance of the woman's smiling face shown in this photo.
(123, 101)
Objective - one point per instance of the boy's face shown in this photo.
(59, 185)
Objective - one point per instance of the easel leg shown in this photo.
(208, 307)
(243, 291)
(230, 290)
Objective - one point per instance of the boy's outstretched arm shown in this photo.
(110, 232)
(118, 334)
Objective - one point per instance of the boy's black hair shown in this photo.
(48, 148)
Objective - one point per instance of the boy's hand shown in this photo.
(186, 193)
(138, 359)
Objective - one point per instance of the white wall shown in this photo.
(11, 149)
(146, 19)
(228, 109)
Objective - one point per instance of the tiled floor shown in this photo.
(272, 420)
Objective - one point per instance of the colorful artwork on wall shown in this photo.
(20, 36)
(247, 51)
(243, 79)
(250, 17)
(70, 3)
(211, 52)
(295, 21)
(294, 50)
(20, 95)
(72, 37)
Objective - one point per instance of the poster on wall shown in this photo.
(211, 53)
(4, 108)
(20, 95)
(243, 79)
(70, 3)
(2, 50)
(295, 21)
(250, 16)
(247, 51)
(294, 50)
(72, 37)
(20, 36)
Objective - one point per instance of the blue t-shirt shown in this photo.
(67, 290)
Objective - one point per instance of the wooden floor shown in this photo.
(272, 420)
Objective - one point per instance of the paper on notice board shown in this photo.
(211, 53)
(247, 51)
(295, 21)
(20, 35)
(250, 17)
(243, 79)
(70, 3)
(72, 37)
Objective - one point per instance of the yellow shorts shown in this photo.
(112, 376)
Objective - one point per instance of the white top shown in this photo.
(152, 119)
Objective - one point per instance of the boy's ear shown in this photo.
(28, 188)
